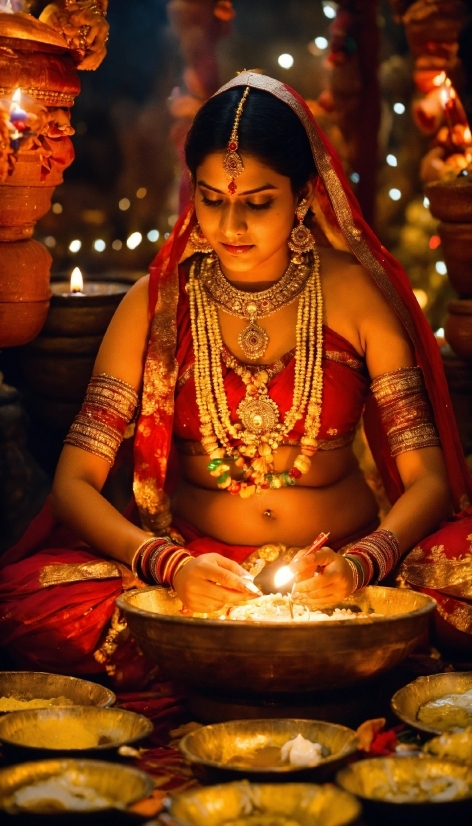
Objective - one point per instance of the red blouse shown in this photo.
(345, 386)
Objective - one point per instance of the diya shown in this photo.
(238, 669)
(57, 364)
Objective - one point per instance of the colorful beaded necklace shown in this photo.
(259, 431)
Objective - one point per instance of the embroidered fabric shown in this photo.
(405, 410)
(108, 407)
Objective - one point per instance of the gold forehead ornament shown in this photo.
(232, 163)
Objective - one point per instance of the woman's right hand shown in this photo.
(209, 582)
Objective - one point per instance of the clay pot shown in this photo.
(451, 200)
(24, 291)
(58, 364)
(36, 59)
(458, 327)
(457, 247)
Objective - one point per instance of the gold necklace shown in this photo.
(253, 340)
(259, 431)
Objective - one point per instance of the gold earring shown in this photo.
(301, 240)
(198, 240)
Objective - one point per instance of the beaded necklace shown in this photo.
(259, 430)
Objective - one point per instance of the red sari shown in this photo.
(67, 622)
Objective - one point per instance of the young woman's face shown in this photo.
(248, 230)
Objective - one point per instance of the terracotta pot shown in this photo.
(24, 291)
(36, 59)
(451, 200)
(20, 208)
(458, 327)
(457, 247)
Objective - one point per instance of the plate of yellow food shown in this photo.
(437, 703)
(71, 730)
(268, 750)
(23, 690)
(410, 790)
(252, 804)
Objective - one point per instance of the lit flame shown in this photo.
(439, 79)
(16, 96)
(467, 134)
(283, 575)
(444, 97)
(76, 281)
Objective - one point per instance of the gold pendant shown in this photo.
(253, 340)
(258, 415)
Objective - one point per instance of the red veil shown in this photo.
(339, 216)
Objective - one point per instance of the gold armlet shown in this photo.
(405, 409)
(108, 407)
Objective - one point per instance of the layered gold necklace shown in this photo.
(259, 431)
(253, 340)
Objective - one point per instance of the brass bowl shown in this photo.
(38, 685)
(407, 701)
(122, 784)
(360, 778)
(214, 750)
(267, 658)
(111, 727)
(307, 804)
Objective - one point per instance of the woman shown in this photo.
(252, 351)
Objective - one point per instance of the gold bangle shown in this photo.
(137, 554)
(179, 568)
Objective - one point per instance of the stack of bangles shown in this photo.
(158, 559)
(373, 558)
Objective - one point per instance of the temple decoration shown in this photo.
(38, 84)
(353, 97)
(433, 30)
(199, 25)
(83, 25)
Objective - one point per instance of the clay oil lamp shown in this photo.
(58, 363)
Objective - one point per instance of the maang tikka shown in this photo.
(232, 163)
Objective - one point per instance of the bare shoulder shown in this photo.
(123, 348)
(356, 307)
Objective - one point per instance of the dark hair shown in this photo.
(268, 130)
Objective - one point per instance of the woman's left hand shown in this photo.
(323, 578)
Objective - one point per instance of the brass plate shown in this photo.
(307, 804)
(114, 726)
(32, 685)
(407, 701)
(214, 746)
